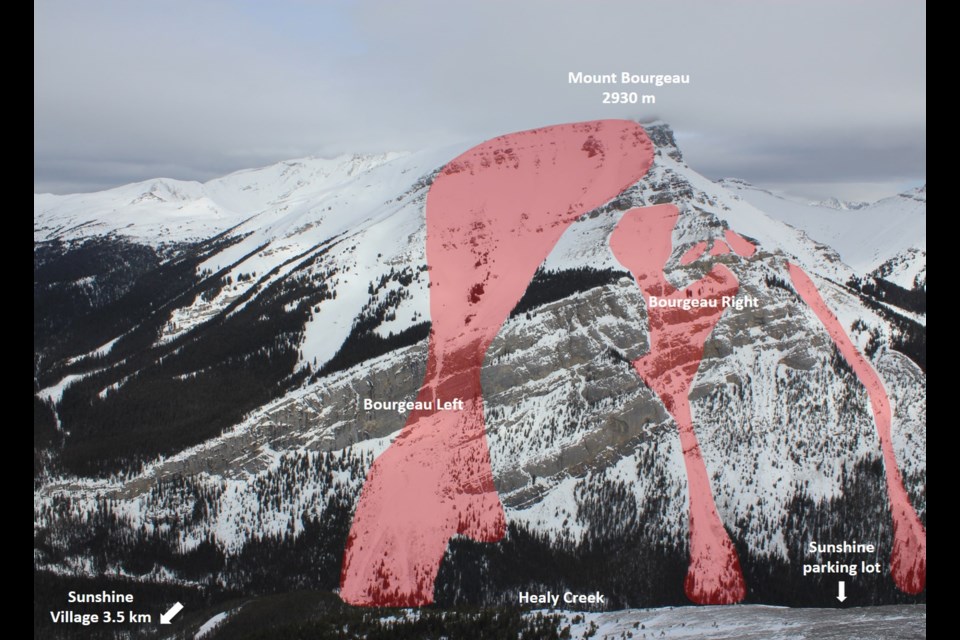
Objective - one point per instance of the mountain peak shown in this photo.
(661, 134)
(839, 204)
(919, 193)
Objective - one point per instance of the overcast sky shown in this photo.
(814, 98)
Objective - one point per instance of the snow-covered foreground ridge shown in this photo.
(752, 622)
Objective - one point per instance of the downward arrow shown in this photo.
(841, 588)
(165, 618)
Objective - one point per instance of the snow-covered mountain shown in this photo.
(841, 205)
(201, 351)
(163, 210)
(866, 237)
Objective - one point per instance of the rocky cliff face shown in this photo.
(585, 456)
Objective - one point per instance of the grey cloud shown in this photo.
(779, 91)
(856, 154)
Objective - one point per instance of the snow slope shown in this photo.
(164, 210)
(865, 237)
(752, 622)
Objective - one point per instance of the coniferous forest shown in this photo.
(147, 397)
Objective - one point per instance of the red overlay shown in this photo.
(908, 561)
(493, 215)
(719, 248)
(694, 252)
(642, 243)
(740, 245)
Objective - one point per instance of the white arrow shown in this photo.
(841, 588)
(165, 618)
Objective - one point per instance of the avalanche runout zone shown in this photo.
(908, 560)
(642, 243)
(493, 215)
